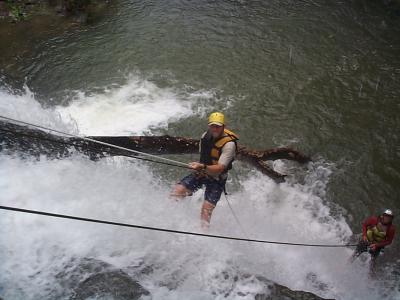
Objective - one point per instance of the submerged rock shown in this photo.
(90, 278)
(236, 285)
(280, 292)
(114, 284)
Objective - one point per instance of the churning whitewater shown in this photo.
(35, 250)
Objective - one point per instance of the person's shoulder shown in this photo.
(229, 146)
(230, 143)
(375, 219)
(371, 219)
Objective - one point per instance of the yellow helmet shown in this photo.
(216, 118)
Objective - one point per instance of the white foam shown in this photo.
(25, 107)
(34, 249)
(133, 108)
(114, 189)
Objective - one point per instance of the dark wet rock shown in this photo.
(229, 283)
(77, 270)
(92, 278)
(114, 284)
(279, 292)
(269, 290)
(88, 278)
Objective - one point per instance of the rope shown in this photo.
(62, 216)
(117, 153)
(236, 217)
(91, 149)
(234, 214)
(95, 141)
(165, 162)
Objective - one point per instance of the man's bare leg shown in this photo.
(206, 212)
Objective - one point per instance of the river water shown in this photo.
(320, 76)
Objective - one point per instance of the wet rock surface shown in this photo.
(115, 284)
(280, 292)
(95, 279)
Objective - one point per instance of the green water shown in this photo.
(321, 76)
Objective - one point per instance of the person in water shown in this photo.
(378, 232)
(217, 152)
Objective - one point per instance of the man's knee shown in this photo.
(181, 191)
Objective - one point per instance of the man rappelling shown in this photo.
(217, 152)
(378, 232)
